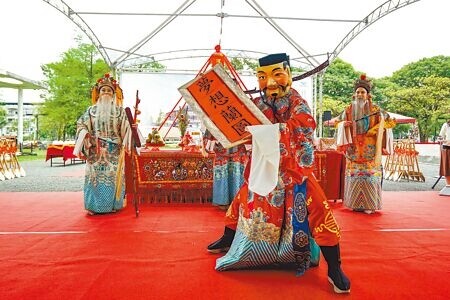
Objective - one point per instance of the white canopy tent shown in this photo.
(181, 34)
(14, 81)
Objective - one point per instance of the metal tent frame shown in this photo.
(20, 83)
(140, 49)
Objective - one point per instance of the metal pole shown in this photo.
(314, 98)
(320, 103)
(20, 118)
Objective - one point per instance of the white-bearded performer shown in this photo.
(101, 133)
(363, 148)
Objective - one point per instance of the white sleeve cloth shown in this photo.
(265, 158)
(343, 135)
(79, 142)
(389, 141)
(445, 132)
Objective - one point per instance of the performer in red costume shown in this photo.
(280, 203)
(363, 152)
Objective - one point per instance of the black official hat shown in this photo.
(272, 59)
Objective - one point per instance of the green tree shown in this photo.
(69, 83)
(426, 103)
(237, 63)
(380, 88)
(152, 66)
(296, 71)
(14, 125)
(242, 63)
(412, 75)
(3, 120)
(335, 106)
(421, 90)
(27, 134)
(338, 81)
(401, 131)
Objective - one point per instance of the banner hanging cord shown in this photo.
(222, 4)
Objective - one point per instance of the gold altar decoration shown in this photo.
(154, 139)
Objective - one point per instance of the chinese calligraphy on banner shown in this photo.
(224, 108)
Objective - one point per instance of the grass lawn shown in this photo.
(37, 155)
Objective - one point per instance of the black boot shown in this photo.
(224, 243)
(336, 276)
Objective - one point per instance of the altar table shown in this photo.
(330, 172)
(64, 151)
(170, 176)
(444, 166)
(174, 176)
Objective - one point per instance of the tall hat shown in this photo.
(272, 59)
(363, 82)
(107, 80)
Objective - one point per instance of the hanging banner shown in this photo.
(222, 105)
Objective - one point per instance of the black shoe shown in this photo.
(224, 243)
(340, 282)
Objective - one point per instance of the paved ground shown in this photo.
(43, 178)
(40, 177)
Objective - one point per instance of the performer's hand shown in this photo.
(81, 156)
(304, 178)
(87, 141)
(347, 123)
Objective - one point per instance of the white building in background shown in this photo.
(23, 88)
(29, 119)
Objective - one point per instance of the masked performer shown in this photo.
(101, 133)
(278, 207)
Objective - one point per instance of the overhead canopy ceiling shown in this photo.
(11, 80)
(182, 34)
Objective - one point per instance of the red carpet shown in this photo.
(50, 249)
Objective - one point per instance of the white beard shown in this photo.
(105, 120)
(360, 109)
(361, 103)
